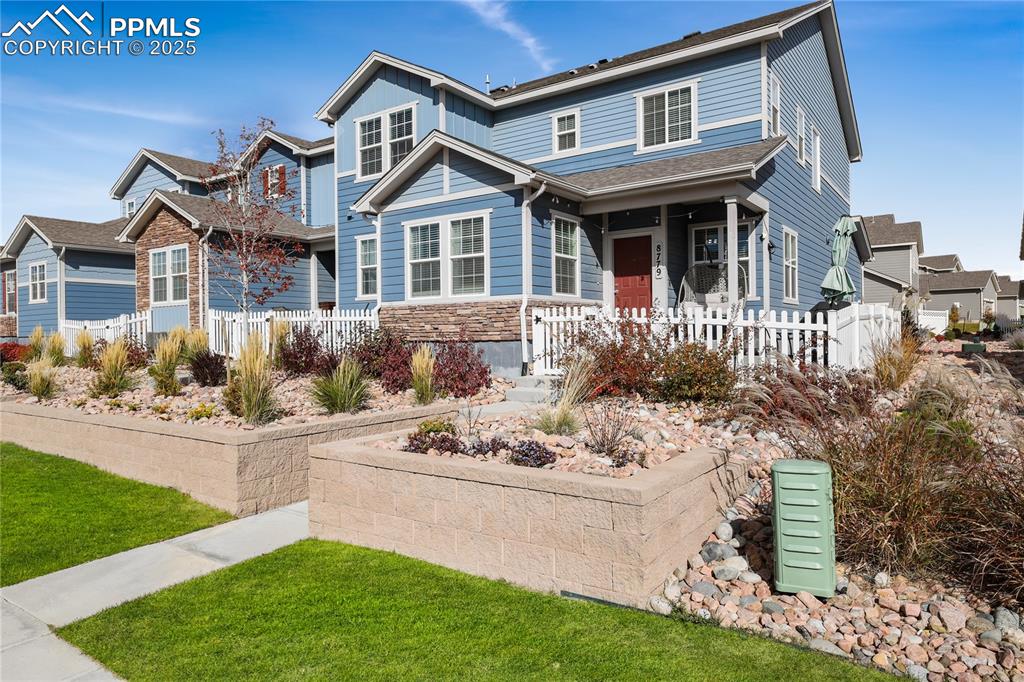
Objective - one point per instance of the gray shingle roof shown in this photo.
(884, 230)
(209, 214)
(72, 233)
(691, 40)
(946, 261)
(1008, 287)
(182, 164)
(975, 280)
(304, 143)
(682, 166)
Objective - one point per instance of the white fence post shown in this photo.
(338, 328)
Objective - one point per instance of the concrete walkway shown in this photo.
(30, 651)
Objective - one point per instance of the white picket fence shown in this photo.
(137, 325)
(229, 330)
(935, 321)
(837, 338)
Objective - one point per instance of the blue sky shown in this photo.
(938, 86)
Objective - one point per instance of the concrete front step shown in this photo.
(527, 394)
(534, 382)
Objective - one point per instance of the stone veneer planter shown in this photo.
(242, 472)
(613, 539)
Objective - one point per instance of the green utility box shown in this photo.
(805, 539)
(972, 348)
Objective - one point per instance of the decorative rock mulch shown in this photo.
(659, 433)
(292, 394)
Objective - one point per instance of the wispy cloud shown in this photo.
(495, 15)
(32, 98)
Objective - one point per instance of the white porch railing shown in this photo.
(136, 324)
(229, 330)
(935, 321)
(837, 338)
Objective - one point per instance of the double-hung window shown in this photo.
(129, 207)
(801, 136)
(383, 140)
(425, 260)
(275, 181)
(776, 106)
(467, 256)
(11, 292)
(790, 263)
(168, 275)
(37, 283)
(816, 159)
(565, 131)
(447, 256)
(668, 117)
(566, 236)
(367, 267)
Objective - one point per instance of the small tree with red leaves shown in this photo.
(249, 260)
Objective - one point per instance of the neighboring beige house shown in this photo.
(949, 262)
(972, 291)
(891, 276)
(1008, 300)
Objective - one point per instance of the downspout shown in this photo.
(204, 279)
(528, 200)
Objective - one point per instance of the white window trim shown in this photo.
(796, 266)
(554, 256)
(360, 296)
(662, 89)
(775, 106)
(751, 225)
(171, 301)
(555, 151)
(385, 138)
(444, 222)
(129, 207)
(801, 136)
(815, 159)
(10, 287)
(273, 184)
(43, 281)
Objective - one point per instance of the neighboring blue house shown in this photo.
(69, 269)
(709, 170)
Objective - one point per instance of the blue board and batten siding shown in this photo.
(320, 190)
(151, 177)
(97, 285)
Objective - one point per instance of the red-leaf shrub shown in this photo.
(304, 353)
(11, 351)
(627, 356)
(459, 369)
(385, 355)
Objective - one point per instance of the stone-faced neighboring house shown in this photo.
(972, 291)
(949, 262)
(9, 302)
(1010, 299)
(68, 270)
(891, 277)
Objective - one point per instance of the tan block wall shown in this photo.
(481, 321)
(551, 531)
(167, 228)
(242, 472)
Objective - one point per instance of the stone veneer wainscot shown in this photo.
(165, 229)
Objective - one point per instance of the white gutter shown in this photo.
(204, 278)
(528, 200)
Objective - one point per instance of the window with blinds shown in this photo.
(668, 117)
(566, 255)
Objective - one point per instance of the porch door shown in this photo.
(633, 272)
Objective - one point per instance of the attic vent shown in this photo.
(573, 72)
(592, 66)
(603, 61)
(691, 35)
(502, 88)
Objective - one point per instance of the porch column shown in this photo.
(733, 255)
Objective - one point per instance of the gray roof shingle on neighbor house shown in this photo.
(688, 41)
(973, 280)
(182, 164)
(72, 233)
(701, 163)
(946, 261)
(207, 212)
(304, 143)
(1008, 288)
(883, 230)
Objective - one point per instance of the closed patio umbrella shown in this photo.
(837, 284)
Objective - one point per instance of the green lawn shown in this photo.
(324, 610)
(56, 513)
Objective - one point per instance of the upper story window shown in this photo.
(667, 117)
(801, 136)
(168, 275)
(447, 257)
(37, 282)
(129, 207)
(10, 291)
(815, 159)
(775, 106)
(367, 267)
(566, 235)
(275, 181)
(383, 140)
(565, 131)
(790, 266)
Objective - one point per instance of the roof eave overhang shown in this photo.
(294, 148)
(890, 278)
(117, 191)
(840, 78)
(19, 235)
(861, 241)
(153, 203)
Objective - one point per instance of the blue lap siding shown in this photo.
(91, 301)
(42, 313)
(279, 155)
(151, 177)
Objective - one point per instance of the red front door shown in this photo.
(633, 272)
